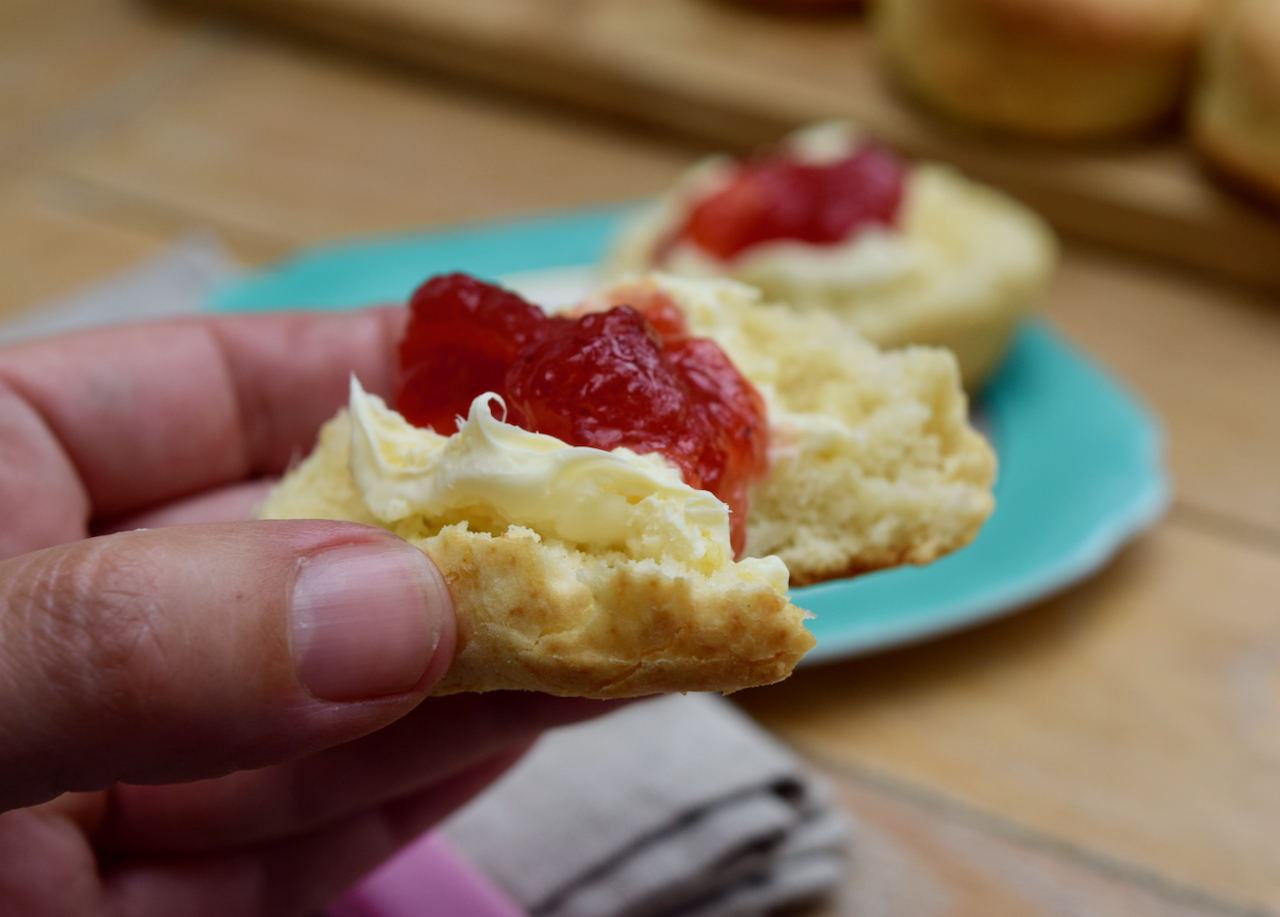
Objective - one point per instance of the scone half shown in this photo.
(666, 609)
(873, 461)
(963, 265)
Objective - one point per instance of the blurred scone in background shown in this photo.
(1059, 69)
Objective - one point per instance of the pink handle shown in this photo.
(426, 879)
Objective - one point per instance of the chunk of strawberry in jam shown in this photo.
(607, 380)
(735, 450)
(658, 309)
(776, 197)
(463, 336)
(604, 381)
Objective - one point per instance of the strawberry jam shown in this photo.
(775, 197)
(630, 377)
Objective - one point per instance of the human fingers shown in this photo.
(48, 866)
(440, 737)
(112, 422)
(233, 503)
(297, 876)
(191, 652)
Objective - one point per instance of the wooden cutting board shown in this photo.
(739, 77)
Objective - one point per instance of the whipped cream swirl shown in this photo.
(504, 475)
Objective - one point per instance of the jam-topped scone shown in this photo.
(905, 253)
(872, 462)
(587, 483)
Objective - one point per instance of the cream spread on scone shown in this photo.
(871, 255)
(495, 475)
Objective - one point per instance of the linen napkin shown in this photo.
(675, 806)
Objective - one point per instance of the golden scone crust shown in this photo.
(544, 616)
(1235, 112)
(1052, 68)
(905, 482)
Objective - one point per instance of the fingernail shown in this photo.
(366, 620)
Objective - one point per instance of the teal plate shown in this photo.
(1081, 460)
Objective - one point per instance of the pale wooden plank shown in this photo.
(145, 214)
(914, 859)
(47, 251)
(64, 62)
(302, 148)
(67, 69)
(738, 76)
(1136, 717)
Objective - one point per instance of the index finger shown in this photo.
(115, 421)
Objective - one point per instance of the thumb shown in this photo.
(188, 652)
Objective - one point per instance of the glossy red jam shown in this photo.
(463, 336)
(629, 377)
(775, 197)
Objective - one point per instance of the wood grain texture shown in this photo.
(68, 64)
(47, 250)
(1137, 716)
(300, 148)
(740, 77)
(919, 857)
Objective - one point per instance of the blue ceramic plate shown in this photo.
(1081, 467)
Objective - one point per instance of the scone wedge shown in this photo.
(543, 614)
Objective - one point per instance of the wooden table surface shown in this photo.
(1114, 751)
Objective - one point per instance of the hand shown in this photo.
(223, 717)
